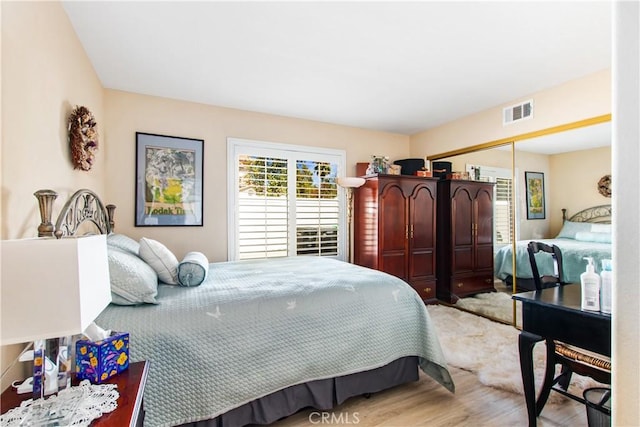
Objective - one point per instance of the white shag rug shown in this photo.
(496, 305)
(490, 350)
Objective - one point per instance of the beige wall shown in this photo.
(47, 76)
(570, 102)
(574, 179)
(45, 73)
(128, 113)
(496, 157)
(533, 228)
(576, 100)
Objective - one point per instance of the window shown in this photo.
(503, 201)
(283, 200)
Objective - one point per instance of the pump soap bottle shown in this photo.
(606, 276)
(590, 286)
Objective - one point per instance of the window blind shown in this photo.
(286, 204)
(263, 207)
(317, 210)
(503, 211)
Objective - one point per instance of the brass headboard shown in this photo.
(83, 206)
(598, 214)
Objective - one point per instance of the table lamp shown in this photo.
(349, 183)
(52, 288)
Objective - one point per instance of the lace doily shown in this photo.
(74, 406)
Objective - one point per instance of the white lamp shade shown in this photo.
(52, 287)
(350, 181)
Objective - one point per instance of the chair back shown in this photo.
(546, 281)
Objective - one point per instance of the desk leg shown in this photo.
(549, 374)
(526, 341)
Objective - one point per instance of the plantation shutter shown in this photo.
(317, 209)
(263, 209)
(286, 203)
(503, 211)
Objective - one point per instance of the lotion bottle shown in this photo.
(606, 276)
(590, 286)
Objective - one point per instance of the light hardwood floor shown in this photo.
(426, 403)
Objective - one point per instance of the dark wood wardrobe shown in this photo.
(465, 239)
(395, 229)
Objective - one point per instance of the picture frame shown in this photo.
(169, 171)
(534, 182)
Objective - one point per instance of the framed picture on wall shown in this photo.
(535, 195)
(168, 180)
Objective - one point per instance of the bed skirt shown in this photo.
(321, 394)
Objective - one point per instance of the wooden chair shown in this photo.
(571, 358)
(554, 252)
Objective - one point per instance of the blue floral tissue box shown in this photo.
(100, 360)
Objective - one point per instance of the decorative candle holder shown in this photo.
(45, 200)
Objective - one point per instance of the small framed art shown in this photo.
(535, 195)
(168, 180)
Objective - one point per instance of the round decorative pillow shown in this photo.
(83, 137)
(193, 269)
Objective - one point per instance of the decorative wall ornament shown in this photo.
(604, 186)
(83, 137)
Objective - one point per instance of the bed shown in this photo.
(260, 340)
(585, 234)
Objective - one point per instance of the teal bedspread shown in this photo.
(256, 327)
(573, 264)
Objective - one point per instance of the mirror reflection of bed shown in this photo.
(572, 160)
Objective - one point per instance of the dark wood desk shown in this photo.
(555, 314)
(130, 386)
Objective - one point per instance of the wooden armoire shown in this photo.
(395, 229)
(465, 239)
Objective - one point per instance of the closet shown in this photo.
(395, 229)
(465, 239)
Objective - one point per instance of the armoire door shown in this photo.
(462, 230)
(422, 234)
(394, 230)
(484, 229)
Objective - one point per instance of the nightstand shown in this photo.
(131, 385)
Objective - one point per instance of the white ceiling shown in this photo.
(393, 66)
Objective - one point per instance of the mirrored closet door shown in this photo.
(568, 161)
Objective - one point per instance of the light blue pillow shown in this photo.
(123, 242)
(133, 281)
(193, 269)
(569, 229)
(591, 236)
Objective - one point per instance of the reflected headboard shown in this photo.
(598, 214)
(83, 207)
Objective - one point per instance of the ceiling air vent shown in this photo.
(518, 112)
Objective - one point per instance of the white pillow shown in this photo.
(161, 259)
(132, 280)
(601, 228)
(193, 269)
(592, 236)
